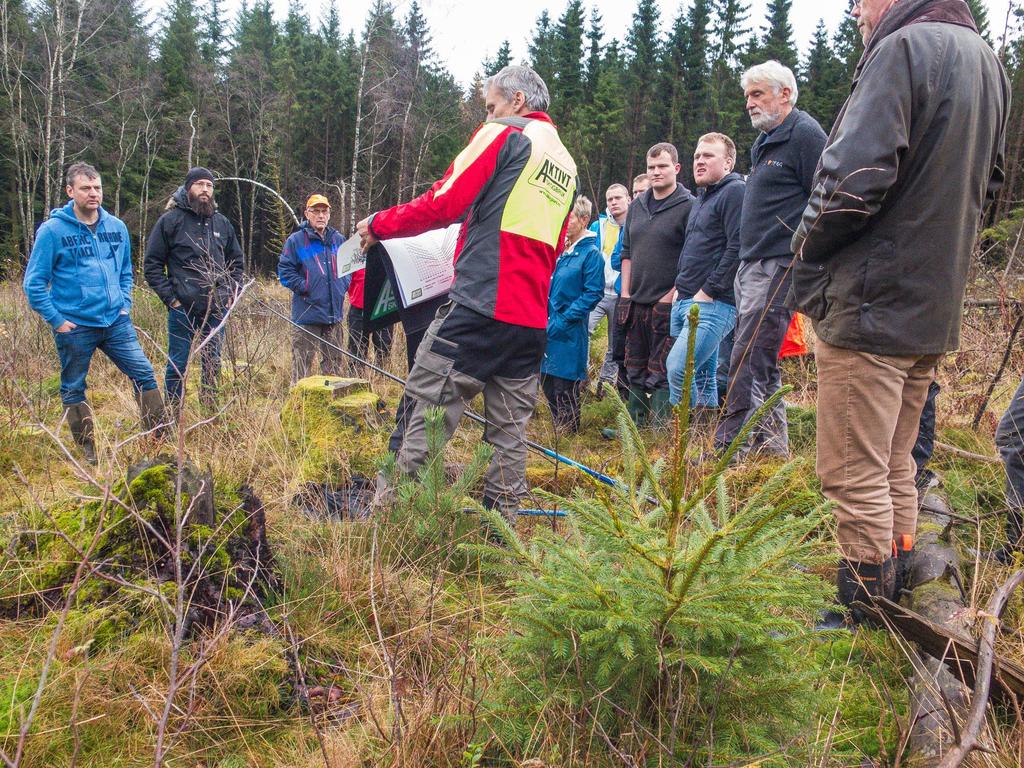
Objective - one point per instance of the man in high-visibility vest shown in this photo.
(512, 188)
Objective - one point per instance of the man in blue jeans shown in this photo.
(79, 279)
(707, 268)
(195, 265)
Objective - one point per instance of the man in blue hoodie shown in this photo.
(308, 268)
(79, 279)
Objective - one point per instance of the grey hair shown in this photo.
(774, 74)
(583, 208)
(518, 78)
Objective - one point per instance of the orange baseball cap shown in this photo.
(317, 200)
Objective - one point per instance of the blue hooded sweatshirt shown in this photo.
(79, 276)
(308, 268)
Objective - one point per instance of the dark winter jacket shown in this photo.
(308, 268)
(576, 288)
(77, 275)
(884, 245)
(782, 164)
(512, 188)
(193, 258)
(651, 243)
(709, 258)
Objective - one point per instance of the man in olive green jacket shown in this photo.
(883, 251)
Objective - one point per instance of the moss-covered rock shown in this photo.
(338, 427)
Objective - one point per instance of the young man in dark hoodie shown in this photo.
(652, 239)
(79, 280)
(883, 252)
(195, 265)
(707, 269)
(308, 267)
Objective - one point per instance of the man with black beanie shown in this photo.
(195, 265)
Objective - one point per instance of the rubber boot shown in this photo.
(661, 409)
(494, 535)
(903, 551)
(80, 422)
(637, 407)
(861, 582)
(151, 409)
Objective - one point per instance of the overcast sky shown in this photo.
(467, 31)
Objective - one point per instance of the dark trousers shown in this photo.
(648, 342)
(925, 444)
(617, 345)
(359, 339)
(1010, 442)
(312, 339)
(761, 288)
(563, 397)
(182, 330)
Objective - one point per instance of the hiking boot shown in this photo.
(903, 551)
(862, 582)
(80, 423)
(151, 410)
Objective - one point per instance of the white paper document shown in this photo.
(349, 258)
(424, 265)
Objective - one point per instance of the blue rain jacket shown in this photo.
(308, 268)
(577, 286)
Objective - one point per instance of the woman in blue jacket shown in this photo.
(576, 288)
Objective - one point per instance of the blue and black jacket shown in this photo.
(308, 268)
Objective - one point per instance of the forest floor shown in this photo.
(400, 655)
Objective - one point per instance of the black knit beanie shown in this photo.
(195, 174)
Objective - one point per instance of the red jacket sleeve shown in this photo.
(449, 197)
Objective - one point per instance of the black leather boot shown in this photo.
(860, 582)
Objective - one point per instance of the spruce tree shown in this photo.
(178, 56)
(417, 33)
(822, 92)
(595, 33)
(541, 48)
(848, 46)
(214, 40)
(777, 42)
(566, 87)
(980, 13)
(643, 49)
(726, 109)
(501, 60)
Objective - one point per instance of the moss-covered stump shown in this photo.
(134, 551)
(337, 425)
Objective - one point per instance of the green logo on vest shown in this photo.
(553, 178)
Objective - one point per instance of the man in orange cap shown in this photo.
(308, 268)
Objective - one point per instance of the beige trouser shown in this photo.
(869, 409)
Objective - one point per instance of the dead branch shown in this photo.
(947, 448)
(983, 683)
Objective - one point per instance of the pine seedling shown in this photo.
(672, 629)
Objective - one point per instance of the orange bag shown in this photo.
(794, 344)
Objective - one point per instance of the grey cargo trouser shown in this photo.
(606, 308)
(754, 376)
(322, 338)
(508, 405)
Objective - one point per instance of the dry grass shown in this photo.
(407, 654)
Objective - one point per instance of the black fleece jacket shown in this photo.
(193, 258)
(709, 257)
(651, 242)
